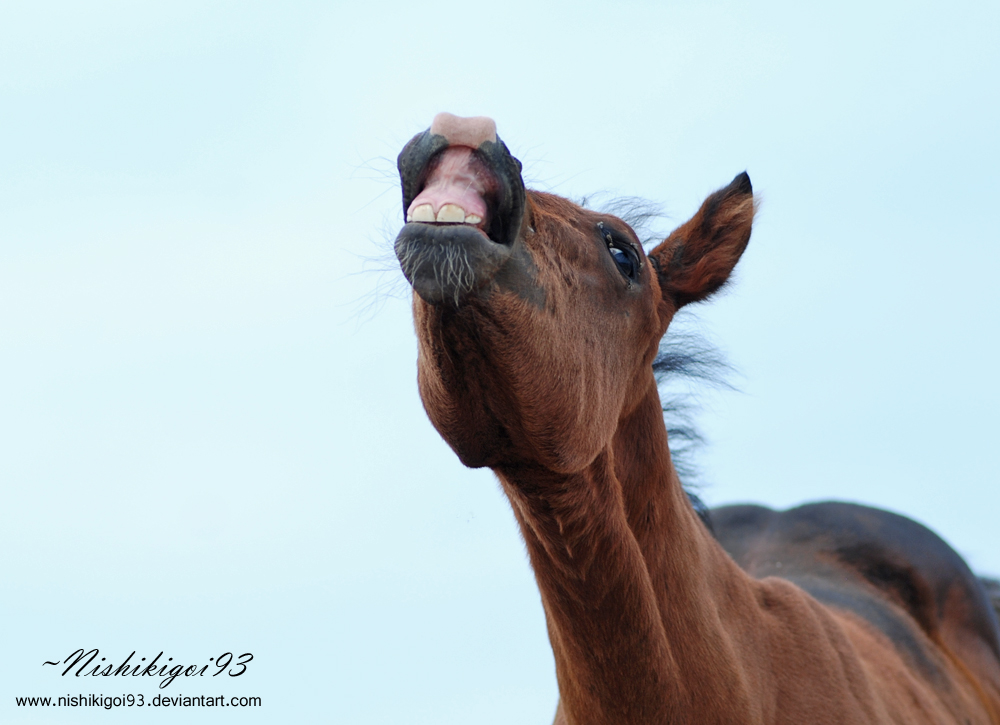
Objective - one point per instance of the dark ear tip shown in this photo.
(741, 184)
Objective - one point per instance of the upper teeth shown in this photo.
(423, 213)
(451, 213)
(448, 213)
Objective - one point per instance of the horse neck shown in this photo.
(629, 578)
(657, 508)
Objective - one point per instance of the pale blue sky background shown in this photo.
(206, 446)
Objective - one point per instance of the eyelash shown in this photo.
(627, 258)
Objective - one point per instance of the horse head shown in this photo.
(538, 319)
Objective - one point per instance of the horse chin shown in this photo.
(447, 263)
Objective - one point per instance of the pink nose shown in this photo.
(460, 131)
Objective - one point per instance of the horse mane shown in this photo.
(685, 363)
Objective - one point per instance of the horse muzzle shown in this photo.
(464, 201)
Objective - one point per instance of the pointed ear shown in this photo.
(697, 257)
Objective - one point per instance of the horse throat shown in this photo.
(620, 558)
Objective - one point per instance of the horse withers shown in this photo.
(537, 323)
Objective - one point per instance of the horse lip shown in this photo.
(446, 263)
(445, 225)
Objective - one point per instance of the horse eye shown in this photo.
(624, 254)
(625, 259)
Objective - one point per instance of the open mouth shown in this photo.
(457, 189)
(464, 201)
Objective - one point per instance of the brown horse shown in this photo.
(538, 322)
